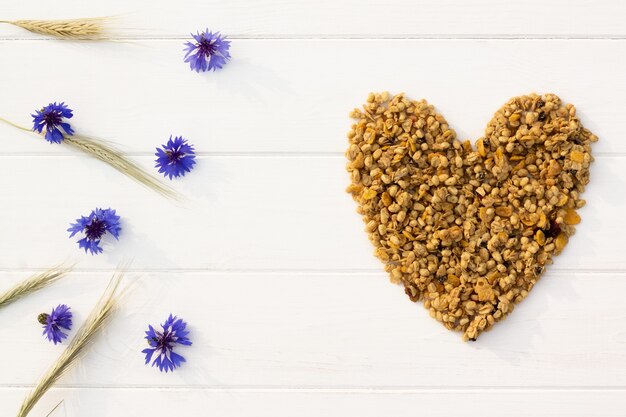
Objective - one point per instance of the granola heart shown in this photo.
(468, 230)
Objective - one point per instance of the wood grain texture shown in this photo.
(330, 330)
(139, 93)
(320, 18)
(367, 403)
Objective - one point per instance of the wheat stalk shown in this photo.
(32, 284)
(97, 319)
(10, 123)
(114, 157)
(93, 28)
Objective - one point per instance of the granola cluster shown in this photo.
(468, 230)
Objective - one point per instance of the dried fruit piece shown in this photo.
(577, 156)
(504, 211)
(386, 199)
(453, 280)
(554, 229)
(369, 194)
(480, 146)
(514, 117)
(571, 217)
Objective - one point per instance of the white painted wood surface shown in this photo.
(266, 259)
(354, 18)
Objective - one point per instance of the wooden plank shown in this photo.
(241, 213)
(289, 312)
(345, 18)
(327, 331)
(294, 96)
(103, 402)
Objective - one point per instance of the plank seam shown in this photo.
(234, 154)
(357, 390)
(366, 37)
(303, 271)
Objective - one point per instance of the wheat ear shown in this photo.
(97, 319)
(114, 157)
(32, 284)
(93, 28)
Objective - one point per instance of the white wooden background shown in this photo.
(290, 313)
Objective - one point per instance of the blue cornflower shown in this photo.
(210, 52)
(175, 158)
(50, 118)
(163, 343)
(59, 318)
(96, 225)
